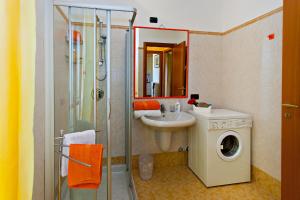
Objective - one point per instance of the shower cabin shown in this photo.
(92, 81)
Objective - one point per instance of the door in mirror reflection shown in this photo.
(160, 63)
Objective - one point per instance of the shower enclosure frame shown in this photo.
(49, 89)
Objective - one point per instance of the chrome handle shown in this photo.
(290, 105)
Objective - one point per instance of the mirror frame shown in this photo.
(187, 62)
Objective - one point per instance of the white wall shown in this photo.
(203, 15)
(194, 15)
(163, 36)
(199, 15)
(236, 12)
(205, 61)
(251, 83)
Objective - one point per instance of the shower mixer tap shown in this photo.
(101, 61)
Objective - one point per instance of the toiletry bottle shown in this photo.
(177, 107)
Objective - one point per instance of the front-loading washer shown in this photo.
(220, 147)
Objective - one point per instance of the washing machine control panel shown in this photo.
(230, 124)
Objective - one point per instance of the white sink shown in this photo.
(168, 123)
(170, 120)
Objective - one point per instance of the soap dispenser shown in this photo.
(177, 107)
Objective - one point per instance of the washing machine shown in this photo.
(220, 147)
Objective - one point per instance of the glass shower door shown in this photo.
(79, 88)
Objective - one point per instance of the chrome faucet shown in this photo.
(163, 109)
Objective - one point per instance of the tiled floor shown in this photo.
(178, 182)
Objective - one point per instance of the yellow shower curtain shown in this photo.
(17, 64)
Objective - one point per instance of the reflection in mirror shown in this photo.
(160, 62)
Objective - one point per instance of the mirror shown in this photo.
(161, 62)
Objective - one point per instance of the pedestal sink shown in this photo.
(166, 124)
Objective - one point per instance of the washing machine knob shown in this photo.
(215, 125)
(223, 125)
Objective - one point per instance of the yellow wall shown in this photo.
(17, 63)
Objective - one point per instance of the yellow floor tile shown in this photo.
(179, 182)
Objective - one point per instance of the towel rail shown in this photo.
(61, 146)
(62, 133)
(74, 160)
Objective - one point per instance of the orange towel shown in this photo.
(81, 176)
(146, 105)
(77, 36)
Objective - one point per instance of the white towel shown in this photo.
(148, 113)
(84, 137)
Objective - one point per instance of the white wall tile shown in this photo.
(251, 82)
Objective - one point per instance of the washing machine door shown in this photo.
(229, 146)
